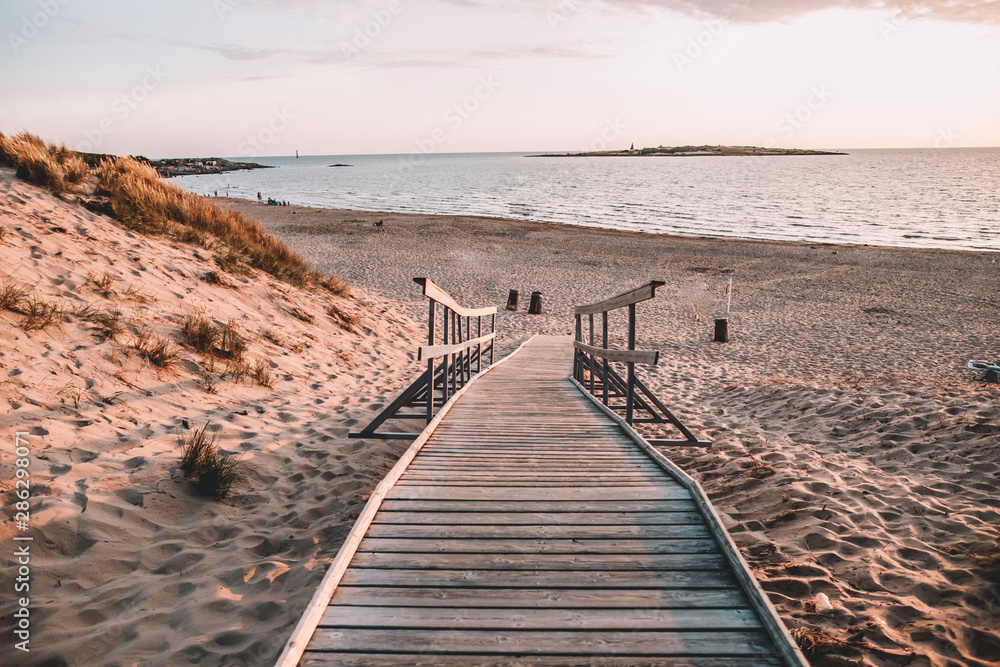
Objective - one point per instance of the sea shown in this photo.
(919, 198)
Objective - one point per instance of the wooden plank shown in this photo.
(573, 562)
(541, 619)
(434, 351)
(527, 546)
(637, 295)
(434, 292)
(648, 357)
(500, 484)
(541, 518)
(650, 492)
(543, 598)
(489, 579)
(519, 532)
(513, 506)
(724, 642)
(470, 660)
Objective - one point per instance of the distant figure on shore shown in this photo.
(216, 193)
(632, 148)
(258, 196)
(378, 225)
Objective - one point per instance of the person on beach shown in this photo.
(216, 193)
(258, 196)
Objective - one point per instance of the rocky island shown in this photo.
(180, 166)
(683, 151)
(196, 166)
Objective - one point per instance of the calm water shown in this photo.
(941, 198)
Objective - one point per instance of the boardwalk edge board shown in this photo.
(297, 642)
(783, 640)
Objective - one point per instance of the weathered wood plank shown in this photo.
(504, 532)
(570, 562)
(541, 619)
(569, 546)
(515, 506)
(541, 518)
(650, 492)
(434, 351)
(434, 292)
(637, 295)
(469, 660)
(731, 642)
(648, 357)
(527, 598)
(485, 579)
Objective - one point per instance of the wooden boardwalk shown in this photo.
(531, 529)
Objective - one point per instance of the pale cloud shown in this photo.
(985, 12)
(982, 12)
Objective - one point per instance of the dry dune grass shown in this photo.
(33, 160)
(143, 201)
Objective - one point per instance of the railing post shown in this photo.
(444, 333)
(605, 346)
(454, 357)
(631, 364)
(493, 343)
(577, 364)
(591, 341)
(430, 364)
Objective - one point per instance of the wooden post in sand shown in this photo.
(512, 300)
(722, 330)
(535, 308)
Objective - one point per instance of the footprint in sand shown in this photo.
(80, 497)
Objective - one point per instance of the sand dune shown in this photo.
(130, 564)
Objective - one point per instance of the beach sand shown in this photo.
(129, 565)
(853, 454)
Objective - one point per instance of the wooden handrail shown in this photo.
(644, 293)
(435, 293)
(434, 351)
(650, 357)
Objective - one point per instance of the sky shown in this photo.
(253, 78)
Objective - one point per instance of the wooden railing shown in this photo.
(602, 380)
(461, 357)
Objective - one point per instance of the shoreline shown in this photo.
(376, 213)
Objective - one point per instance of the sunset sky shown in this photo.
(266, 77)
